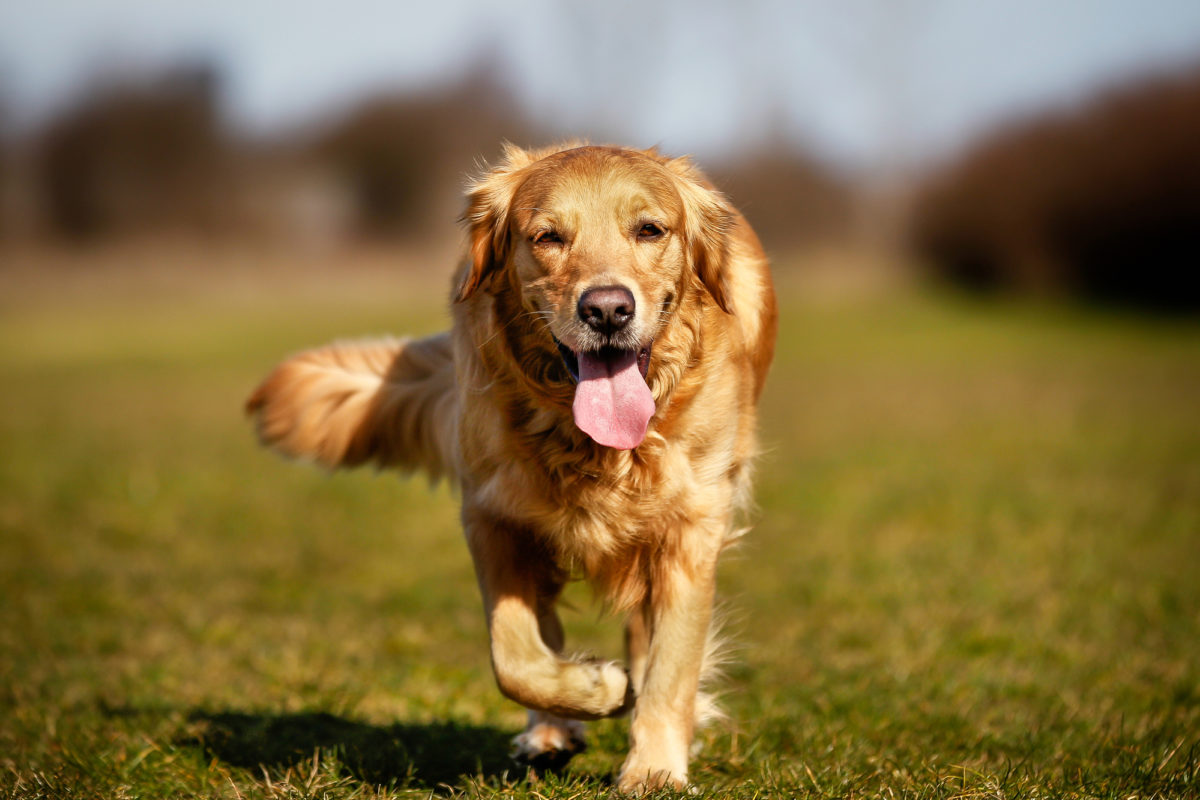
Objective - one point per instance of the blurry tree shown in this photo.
(148, 156)
(6, 177)
(405, 157)
(135, 156)
(790, 199)
(1103, 202)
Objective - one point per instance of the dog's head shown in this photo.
(602, 244)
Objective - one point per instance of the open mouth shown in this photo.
(607, 355)
(613, 403)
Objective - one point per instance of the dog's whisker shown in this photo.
(499, 331)
(546, 317)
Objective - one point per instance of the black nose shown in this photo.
(607, 309)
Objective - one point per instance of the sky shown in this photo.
(859, 82)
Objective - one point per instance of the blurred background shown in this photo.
(1016, 147)
(974, 569)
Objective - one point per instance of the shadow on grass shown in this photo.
(426, 756)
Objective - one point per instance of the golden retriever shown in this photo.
(614, 320)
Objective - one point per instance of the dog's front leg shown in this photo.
(549, 741)
(516, 573)
(680, 610)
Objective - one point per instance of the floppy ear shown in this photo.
(709, 216)
(488, 202)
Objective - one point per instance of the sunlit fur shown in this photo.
(543, 503)
(381, 402)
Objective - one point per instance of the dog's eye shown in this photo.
(650, 231)
(547, 237)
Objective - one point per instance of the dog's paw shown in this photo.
(653, 763)
(617, 688)
(549, 742)
(634, 780)
(596, 688)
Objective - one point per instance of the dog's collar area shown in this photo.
(571, 359)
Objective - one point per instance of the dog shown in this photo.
(614, 320)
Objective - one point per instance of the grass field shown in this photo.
(976, 570)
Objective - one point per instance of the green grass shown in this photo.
(975, 573)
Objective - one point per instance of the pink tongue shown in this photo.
(613, 404)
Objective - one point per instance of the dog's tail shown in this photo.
(385, 402)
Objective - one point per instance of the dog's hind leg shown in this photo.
(548, 741)
(637, 645)
(515, 573)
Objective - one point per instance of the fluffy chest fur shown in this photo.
(603, 513)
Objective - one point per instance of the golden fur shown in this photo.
(490, 404)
